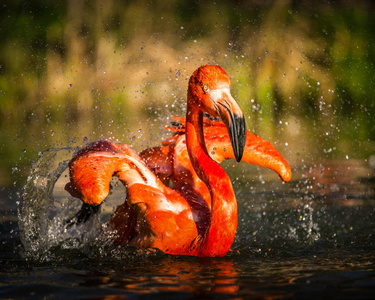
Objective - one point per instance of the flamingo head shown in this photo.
(209, 91)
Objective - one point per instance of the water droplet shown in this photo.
(327, 150)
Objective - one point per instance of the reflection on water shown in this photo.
(183, 274)
(310, 238)
(339, 273)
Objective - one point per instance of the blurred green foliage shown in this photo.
(76, 71)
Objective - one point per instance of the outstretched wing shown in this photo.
(257, 151)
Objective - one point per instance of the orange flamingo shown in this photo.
(199, 216)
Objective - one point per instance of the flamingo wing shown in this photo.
(153, 215)
(93, 167)
(257, 151)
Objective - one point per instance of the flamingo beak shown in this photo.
(233, 118)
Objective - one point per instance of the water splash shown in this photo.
(42, 215)
(307, 229)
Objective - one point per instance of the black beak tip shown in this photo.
(240, 151)
(239, 136)
(239, 157)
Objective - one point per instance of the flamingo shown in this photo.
(198, 216)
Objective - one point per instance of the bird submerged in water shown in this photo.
(198, 216)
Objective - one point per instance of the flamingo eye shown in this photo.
(205, 88)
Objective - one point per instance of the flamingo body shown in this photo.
(199, 215)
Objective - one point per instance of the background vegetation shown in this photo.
(75, 71)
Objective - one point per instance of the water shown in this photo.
(311, 238)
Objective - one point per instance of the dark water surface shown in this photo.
(312, 238)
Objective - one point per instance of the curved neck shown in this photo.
(223, 224)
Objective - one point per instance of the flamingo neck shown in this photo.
(222, 227)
